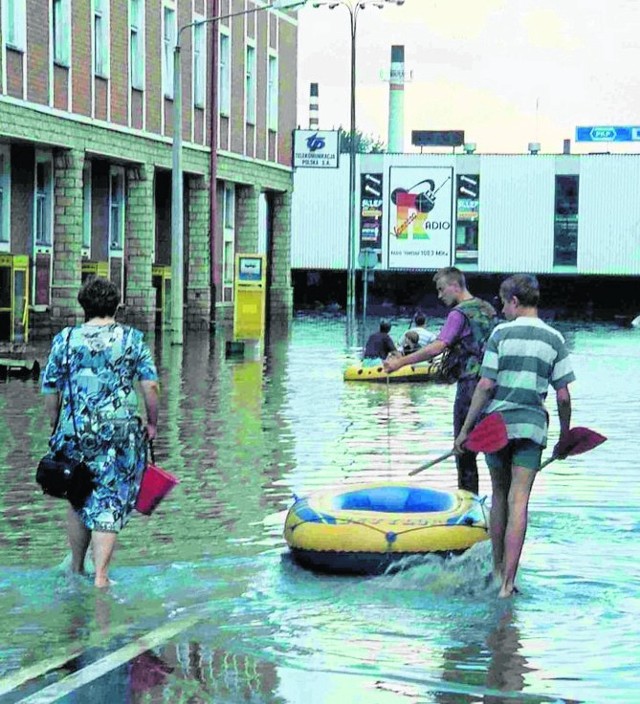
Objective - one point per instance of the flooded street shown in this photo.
(208, 607)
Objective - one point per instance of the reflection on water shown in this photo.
(248, 624)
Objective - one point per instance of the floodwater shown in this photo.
(208, 607)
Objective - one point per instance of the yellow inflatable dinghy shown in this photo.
(364, 529)
(428, 371)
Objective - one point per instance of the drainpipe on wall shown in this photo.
(213, 170)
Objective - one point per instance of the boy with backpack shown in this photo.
(462, 339)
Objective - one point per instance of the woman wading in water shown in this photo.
(92, 369)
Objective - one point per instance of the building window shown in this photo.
(116, 208)
(136, 43)
(61, 32)
(168, 46)
(228, 251)
(272, 93)
(250, 85)
(43, 225)
(15, 20)
(467, 217)
(224, 77)
(5, 190)
(86, 207)
(101, 38)
(565, 240)
(199, 64)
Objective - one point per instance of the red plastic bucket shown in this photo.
(156, 484)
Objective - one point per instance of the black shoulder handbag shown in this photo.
(61, 476)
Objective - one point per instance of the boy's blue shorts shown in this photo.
(520, 452)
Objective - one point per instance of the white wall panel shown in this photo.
(609, 214)
(516, 213)
(517, 202)
(319, 217)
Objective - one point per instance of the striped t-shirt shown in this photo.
(523, 357)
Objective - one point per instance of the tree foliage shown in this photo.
(365, 143)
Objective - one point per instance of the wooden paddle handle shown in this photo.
(426, 465)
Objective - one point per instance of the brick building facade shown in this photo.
(86, 118)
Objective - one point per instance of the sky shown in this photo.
(507, 72)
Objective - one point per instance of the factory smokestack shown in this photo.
(395, 142)
(313, 107)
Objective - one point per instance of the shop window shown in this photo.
(42, 220)
(565, 235)
(228, 248)
(101, 38)
(467, 217)
(224, 76)
(15, 20)
(116, 208)
(5, 190)
(168, 46)
(199, 63)
(61, 32)
(250, 85)
(272, 93)
(86, 208)
(136, 43)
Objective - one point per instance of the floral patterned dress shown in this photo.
(100, 363)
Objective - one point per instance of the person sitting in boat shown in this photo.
(379, 345)
(417, 336)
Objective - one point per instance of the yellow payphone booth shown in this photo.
(14, 298)
(250, 293)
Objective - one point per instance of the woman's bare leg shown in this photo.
(103, 544)
(79, 538)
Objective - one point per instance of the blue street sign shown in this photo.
(611, 133)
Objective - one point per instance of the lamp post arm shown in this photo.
(209, 20)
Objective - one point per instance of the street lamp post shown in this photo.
(354, 10)
(177, 179)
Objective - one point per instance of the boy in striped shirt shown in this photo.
(523, 357)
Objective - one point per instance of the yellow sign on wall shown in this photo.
(250, 292)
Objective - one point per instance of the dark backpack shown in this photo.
(455, 359)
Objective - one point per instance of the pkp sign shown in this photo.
(608, 133)
(603, 134)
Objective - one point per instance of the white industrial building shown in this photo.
(547, 214)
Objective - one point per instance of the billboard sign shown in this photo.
(420, 217)
(611, 133)
(437, 138)
(371, 211)
(318, 149)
